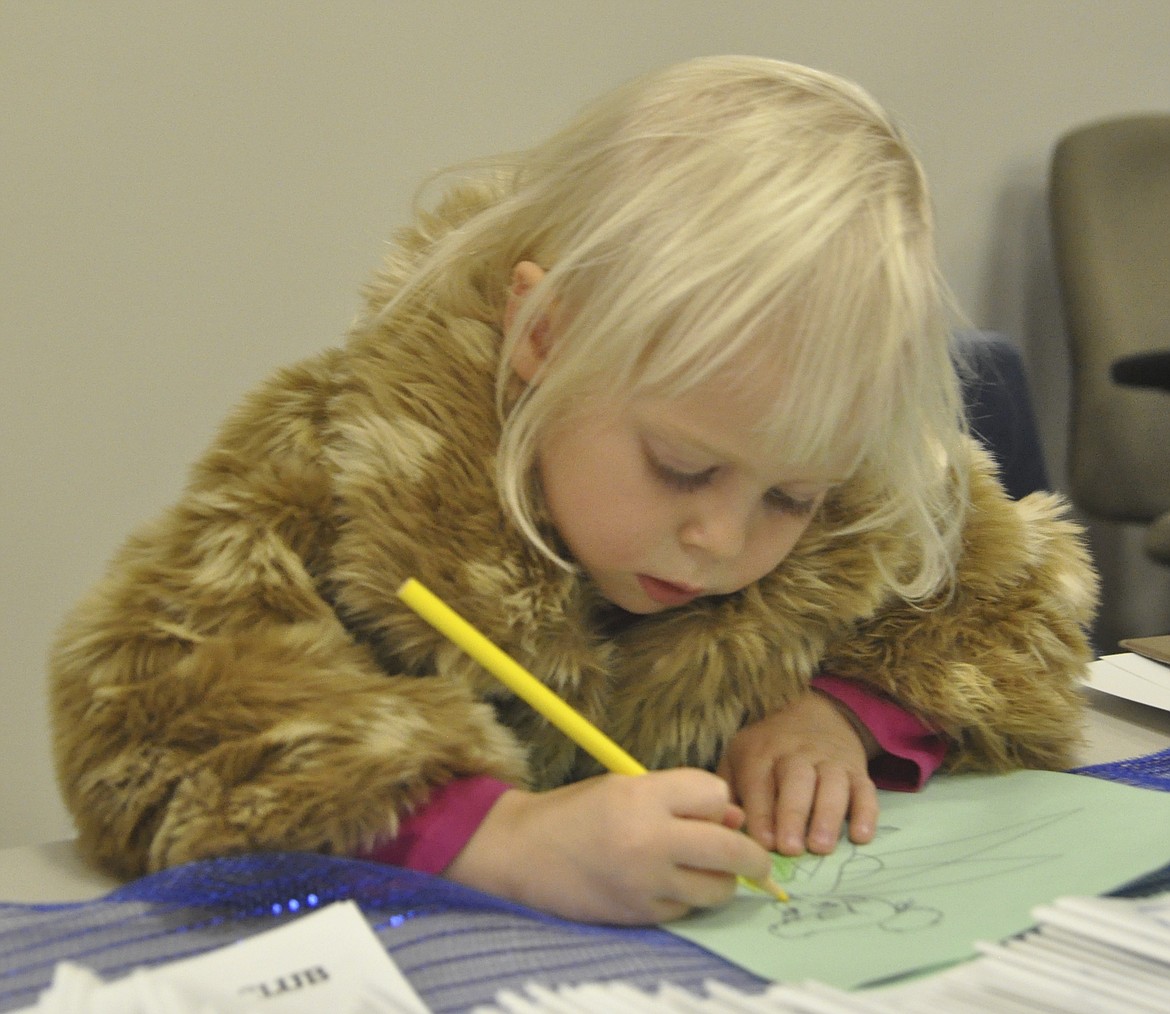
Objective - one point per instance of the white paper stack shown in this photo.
(1086, 956)
(327, 961)
(1133, 677)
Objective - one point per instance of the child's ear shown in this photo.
(532, 346)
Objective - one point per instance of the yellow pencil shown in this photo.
(527, 687)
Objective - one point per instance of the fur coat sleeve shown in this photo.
(995, 664)
(210, 696)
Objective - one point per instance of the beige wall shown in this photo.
(192, 192)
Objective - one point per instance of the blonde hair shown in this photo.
(734, 212)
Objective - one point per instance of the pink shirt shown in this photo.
(912, 751)
(430, 838)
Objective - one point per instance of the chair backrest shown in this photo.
(998, 400)
(1110, 207)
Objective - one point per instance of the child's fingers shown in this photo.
(702, 854)
(759, 791)
(734, 817)
(753, 784)
(708, 857)
(863, 812)
(696, 887)
(796, 793)
(687, 792)
(837, 794)
(703, 888)
(829, 808)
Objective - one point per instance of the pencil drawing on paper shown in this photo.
(879, 887)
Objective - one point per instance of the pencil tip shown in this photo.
(776, 891)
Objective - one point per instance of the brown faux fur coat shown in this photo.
(244, 677)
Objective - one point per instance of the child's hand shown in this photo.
(616, 848)
(798, 773)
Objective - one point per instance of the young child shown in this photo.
(665, 407)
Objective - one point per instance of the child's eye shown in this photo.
(676, 478)
(786, 503)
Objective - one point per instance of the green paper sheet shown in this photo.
(964, 860)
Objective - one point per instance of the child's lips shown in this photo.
(668, 593)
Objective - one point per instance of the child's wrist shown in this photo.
(488, 860)
(869, 742)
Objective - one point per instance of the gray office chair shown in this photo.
(1110, 209)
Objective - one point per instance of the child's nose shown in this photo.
(720, 531)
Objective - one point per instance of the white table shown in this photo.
(1116, 730)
